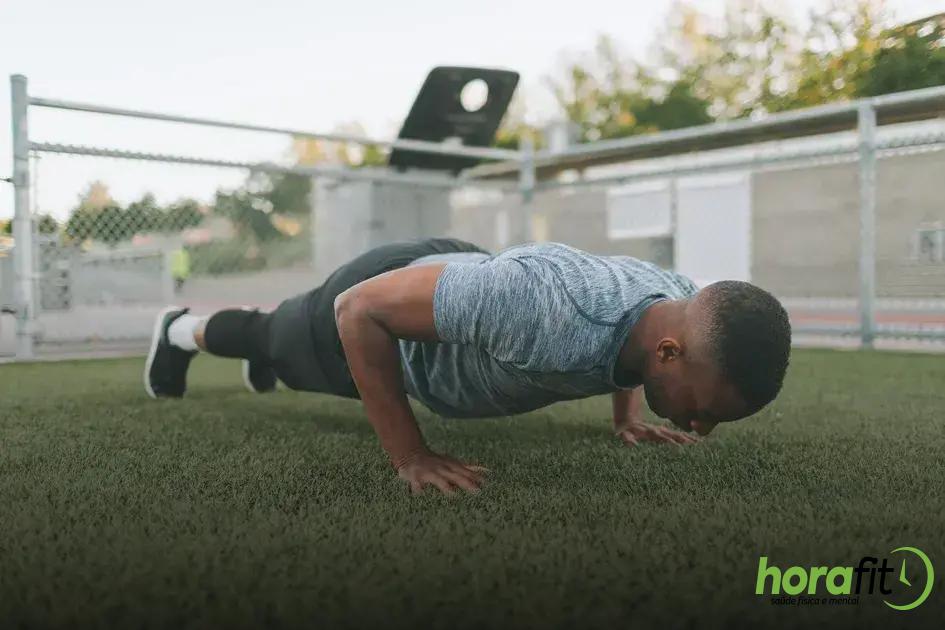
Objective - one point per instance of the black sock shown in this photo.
(238, 334)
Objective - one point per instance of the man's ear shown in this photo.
(668, 350)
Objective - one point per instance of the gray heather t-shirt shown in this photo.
(529, 326)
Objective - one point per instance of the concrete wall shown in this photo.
(578, 218)
(353, 217)
(805, 228)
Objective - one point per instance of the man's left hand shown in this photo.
(634, 433)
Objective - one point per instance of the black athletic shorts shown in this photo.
(304, 346)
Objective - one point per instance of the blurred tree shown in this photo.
(514, 127)
(79, 225)
(679, 108)
(144, 215)
(96, 196)
(751, 60)
(372, 155)
(510, 136)
(911, 56)
(609, 97)
(289, 193)
(308, 151)
(249, 212)
(180, 215)
(312, 151)
(98, 217)
(839, 49)
(47, 224)
(84, 221)
(107, 224)
(111, 225)
(740, 64)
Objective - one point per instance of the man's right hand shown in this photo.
(427, 468)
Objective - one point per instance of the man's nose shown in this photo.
(702, 428)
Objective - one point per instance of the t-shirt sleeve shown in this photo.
(495, 305)
(468, 299)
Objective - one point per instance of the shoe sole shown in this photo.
(155, 342)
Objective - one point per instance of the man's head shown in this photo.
(723, 358)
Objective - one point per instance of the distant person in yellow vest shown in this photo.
(180, 268)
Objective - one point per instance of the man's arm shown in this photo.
(627, 405)
(372, 316)
(629, 425)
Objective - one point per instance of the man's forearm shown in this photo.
(374, 360)
(627, 405)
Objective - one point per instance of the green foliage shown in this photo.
(181, 215)
(254, 210)
(288, 193)
(679, 108)
(144, 215)
(753, 60)
(609, 97)
(46, 224)
(909, 58)
(251, 209)
(249, 212)
(514, 128)
(112, 224)
(738, 64)
(371, 155)
(244, 253)
(107, 224)
(222, 257)
(838, 49)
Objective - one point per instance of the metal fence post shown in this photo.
(23, 236)
(526, 181)
(866, 121)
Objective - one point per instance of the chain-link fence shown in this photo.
(232, 227)
(845, 223)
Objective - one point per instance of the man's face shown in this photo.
(690, 392)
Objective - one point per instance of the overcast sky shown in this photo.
(307, 65)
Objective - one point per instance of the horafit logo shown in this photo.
(904, 580)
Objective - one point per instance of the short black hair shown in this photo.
(749, 337)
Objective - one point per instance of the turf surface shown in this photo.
(229, 509)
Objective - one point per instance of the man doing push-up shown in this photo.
(470, 334)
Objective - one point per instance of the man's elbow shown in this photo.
(355, 307)
(349, 305)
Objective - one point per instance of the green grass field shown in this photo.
(233, 510)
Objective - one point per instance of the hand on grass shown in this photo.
(634, 433)
(427, 468)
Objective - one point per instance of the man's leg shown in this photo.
(298, 341)
(233, 333)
